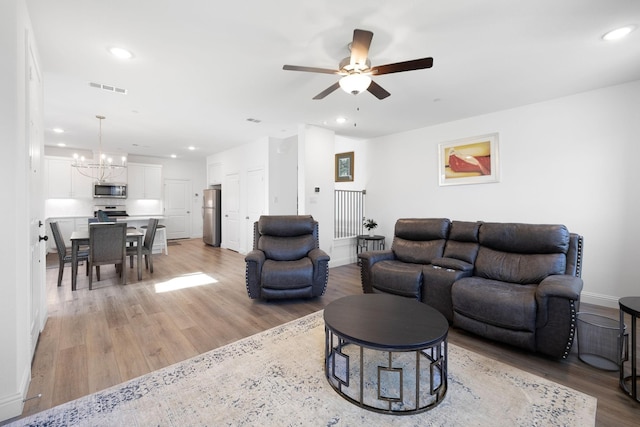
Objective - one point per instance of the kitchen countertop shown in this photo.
(128, 218)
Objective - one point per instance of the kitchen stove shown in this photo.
(112, 211)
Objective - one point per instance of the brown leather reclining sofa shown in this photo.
(515, 283)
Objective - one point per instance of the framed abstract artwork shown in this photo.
(344, 167)
(469, 161)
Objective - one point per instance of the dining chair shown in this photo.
(103, 217)
(147, 246)
(107, 246)
(64, 253)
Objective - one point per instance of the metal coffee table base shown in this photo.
(387, 381)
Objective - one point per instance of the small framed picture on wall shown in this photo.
(344, 167)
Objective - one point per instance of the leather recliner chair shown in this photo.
(286, 261)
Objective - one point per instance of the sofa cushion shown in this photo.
(463, 241)
(525, 238)
(397, 278)
(501, 304)
(417, 252)
(286, 225)
(286, 248)
(287, 274)
(517, 268)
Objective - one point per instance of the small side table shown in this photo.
(629, 383)
(362, 244)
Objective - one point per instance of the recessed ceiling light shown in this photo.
(191, 147)
(58, 130)
(173, 156)
(618, 33)
(61, 144)
(341, 120)
(121, 53)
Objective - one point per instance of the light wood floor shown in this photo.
(93, 340)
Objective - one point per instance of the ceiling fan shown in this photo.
(356, 70)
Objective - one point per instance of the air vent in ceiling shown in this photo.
(108, 88)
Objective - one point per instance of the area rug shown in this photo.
(276, 378)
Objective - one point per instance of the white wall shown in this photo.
(283, 176)
(316, 170)
(239, 161)
(572, 160)
(14, 252)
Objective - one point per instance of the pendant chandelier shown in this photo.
(103, 168)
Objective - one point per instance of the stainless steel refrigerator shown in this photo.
(211, 217)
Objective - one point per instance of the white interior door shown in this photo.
(231, 209)
(177, 208)
(255, 201)
(37, 227)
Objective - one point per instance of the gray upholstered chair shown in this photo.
(286, 261)
(147, 246)
(107, 246)
(64, 253)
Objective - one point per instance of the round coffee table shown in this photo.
(629, 375)
(386, 353)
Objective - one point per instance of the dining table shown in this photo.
(81, 237)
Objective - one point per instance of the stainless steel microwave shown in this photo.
(109, 190)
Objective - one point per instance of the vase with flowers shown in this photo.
(370, 224)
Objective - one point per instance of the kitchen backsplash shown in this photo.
(60, 208)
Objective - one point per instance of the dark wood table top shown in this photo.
(631, 305)
(386, 322)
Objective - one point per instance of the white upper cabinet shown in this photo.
(64, 182)
(145, 181)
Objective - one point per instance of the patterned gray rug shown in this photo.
(277, 378)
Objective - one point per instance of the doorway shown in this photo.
(177, 208)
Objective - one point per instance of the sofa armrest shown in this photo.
(561, 286)
(367, 261)
(254, 261)
(452, 264)
(557, 297)
(371, 257)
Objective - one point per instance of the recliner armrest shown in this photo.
(561, 286)
(320, 261)
(451, 264)
(318, 255)
(367, 260)
(254, 260)
(372, 257)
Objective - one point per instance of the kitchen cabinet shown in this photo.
(63, 181)
(145, 181)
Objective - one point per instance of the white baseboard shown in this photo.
(12, 404)
(599, 299)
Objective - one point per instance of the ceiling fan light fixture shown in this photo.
(355, 83)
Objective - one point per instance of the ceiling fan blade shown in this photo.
(415, 64)
(309, 69)
(377, 90)
(360, 46)
(327, 91)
